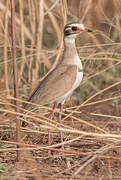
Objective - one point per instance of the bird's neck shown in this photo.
(69, 48)
(70, 55)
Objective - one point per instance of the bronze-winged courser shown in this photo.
(59, 84)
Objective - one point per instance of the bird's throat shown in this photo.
(70, 55)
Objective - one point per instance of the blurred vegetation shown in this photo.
(39, 35)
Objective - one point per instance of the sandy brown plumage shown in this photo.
(54, 86)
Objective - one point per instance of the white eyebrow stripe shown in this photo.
(68, 28)
(74, 24)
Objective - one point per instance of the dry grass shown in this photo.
(91, 119)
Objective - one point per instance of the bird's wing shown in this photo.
(55, 85)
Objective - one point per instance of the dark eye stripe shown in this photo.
(74, 28)
(67, 32)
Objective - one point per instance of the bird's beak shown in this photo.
(88, 30)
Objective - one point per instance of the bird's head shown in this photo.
(74, 29)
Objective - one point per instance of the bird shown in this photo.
(59, 84)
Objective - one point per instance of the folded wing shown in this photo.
(57, 83)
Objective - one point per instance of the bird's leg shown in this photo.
(50, 117)
(59, 120)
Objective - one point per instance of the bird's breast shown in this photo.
(78, 79)
(77, 82)
(79, 75)
(78, 62)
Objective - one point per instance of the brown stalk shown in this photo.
(32, 26)
(34, 146)
(40, 29)
(5, 49)
(17, 20)
(32, 16)
(22, 41)
(54, 22)
(99, 152)
(18, 134)
(39, 13)
(40, 26)
(63, 7)
(35, 65)
(40, 35)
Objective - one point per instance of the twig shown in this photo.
(26, 30)
(5, 49)
(93, 96)
(22, 41)
(63, 8)
(18, 136)
(98, 153)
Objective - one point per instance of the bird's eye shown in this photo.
(74, 28)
